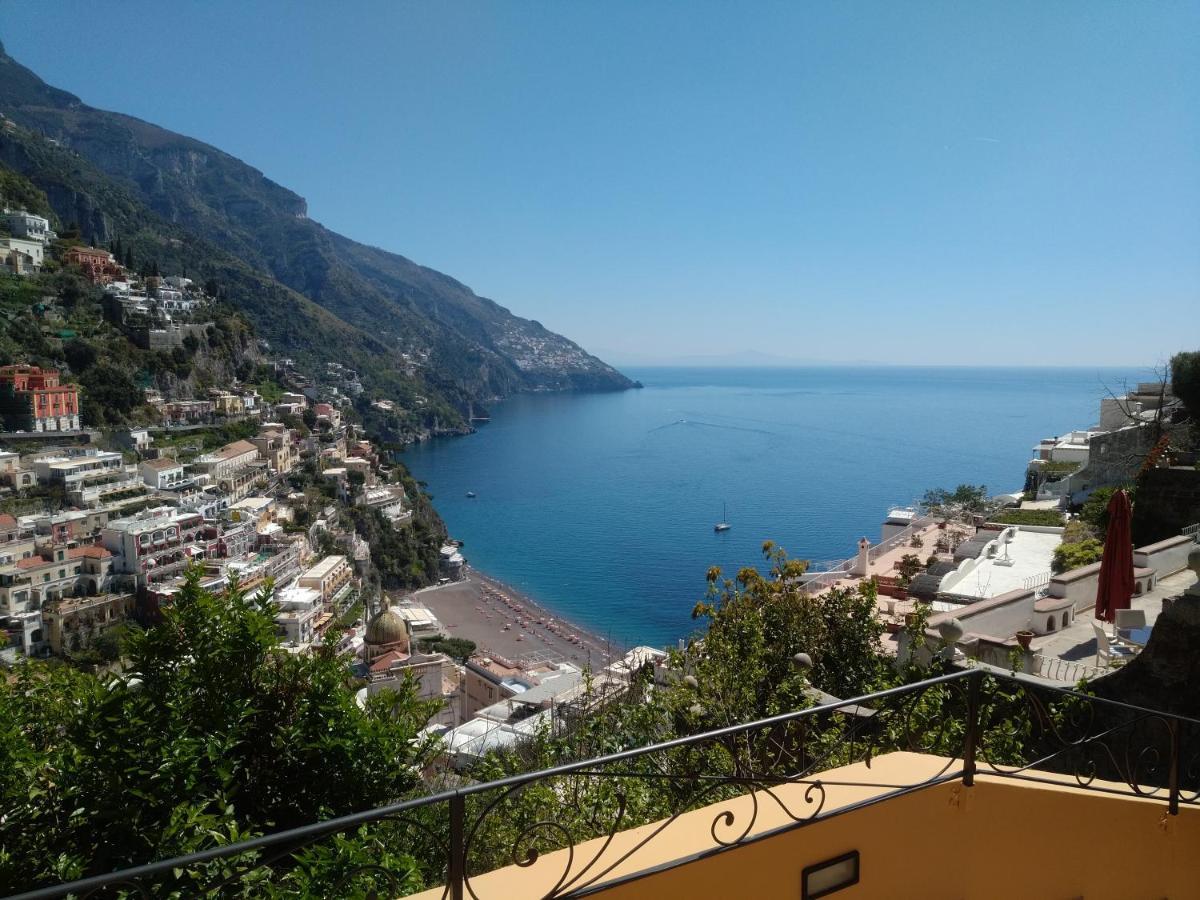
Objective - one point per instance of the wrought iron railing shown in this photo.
(969, 722)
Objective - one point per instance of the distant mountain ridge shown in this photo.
(468, 347)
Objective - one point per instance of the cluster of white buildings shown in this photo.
(132, 523)
(166, 299)
(499, 703)
(24, 249)
(1068, 467)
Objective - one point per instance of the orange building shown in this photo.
(98, 265)
(32, 399)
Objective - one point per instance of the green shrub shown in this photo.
(1049, 517)
(1073, 556)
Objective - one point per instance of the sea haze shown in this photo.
(601, 506)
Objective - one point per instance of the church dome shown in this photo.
(387, 628)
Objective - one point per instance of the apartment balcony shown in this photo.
(924, 791)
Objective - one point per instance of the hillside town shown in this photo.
(105, 527)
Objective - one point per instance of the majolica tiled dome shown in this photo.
(388, 629)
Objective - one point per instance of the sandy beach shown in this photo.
(505, 623)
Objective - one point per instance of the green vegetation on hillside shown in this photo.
(293, 325)
(57, 319)
(316, 294)
(18, 192)
(212, 736)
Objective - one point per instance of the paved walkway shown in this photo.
(1077, 642)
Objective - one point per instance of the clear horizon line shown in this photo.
(874, 365)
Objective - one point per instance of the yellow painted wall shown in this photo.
(995, 840)
(999, 839)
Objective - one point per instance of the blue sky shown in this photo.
(906, 182)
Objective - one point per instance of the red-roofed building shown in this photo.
(60, 573)
(33, 399)
(98, 265)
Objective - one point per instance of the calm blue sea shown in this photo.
(601, 506)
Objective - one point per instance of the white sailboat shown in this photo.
(723, 525)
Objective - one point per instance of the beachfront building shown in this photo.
(526, 702)
(34, 399)
(451, 562)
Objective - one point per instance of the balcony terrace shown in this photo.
(966, 785)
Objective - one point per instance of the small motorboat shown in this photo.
(471, 495)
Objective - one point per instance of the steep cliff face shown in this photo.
(466, 340)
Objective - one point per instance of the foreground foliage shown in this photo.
(212, 736)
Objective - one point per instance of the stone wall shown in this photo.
(1168, 500)
(1114, 459)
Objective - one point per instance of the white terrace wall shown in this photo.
(1000, 617)
(1150, 563)
(1078, 586)
(1166, 557)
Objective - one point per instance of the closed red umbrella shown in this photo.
(1116, 566)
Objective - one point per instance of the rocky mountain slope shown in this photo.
(466, 347)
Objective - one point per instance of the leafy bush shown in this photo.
(910, 565)
(1074, 556)
(454, 647)
(1094, 512)
(214, 736)
(1049, 517)
(1077, 531)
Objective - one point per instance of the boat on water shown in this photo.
(471, 495)
(723, 525)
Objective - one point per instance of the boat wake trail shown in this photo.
(694, 424)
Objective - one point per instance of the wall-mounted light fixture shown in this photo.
(830, 876)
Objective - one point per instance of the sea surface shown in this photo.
(601, 506)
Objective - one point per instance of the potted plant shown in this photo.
(1024, 637)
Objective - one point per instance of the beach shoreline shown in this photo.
(479, 607)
